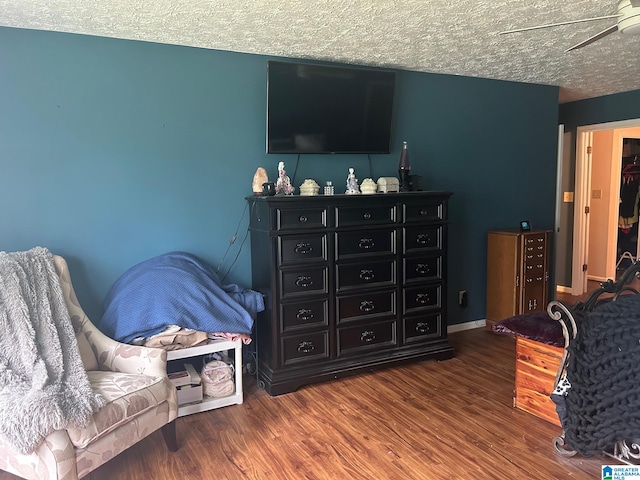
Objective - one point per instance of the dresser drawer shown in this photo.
(302, 249)
(422, 327)
(299, 219)
(357, 339)
(365, 242)
(308, 313)
(363, 216)
(370, 305)
(372, 273)
(303, 281)
(421, 298)
(422, 238)
(429, 211)
(305, 348)
(419, 269)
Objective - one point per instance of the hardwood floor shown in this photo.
(452, 419)
(571, 299)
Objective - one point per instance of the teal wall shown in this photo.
(114, 151)
(593, 111)
(608, 108)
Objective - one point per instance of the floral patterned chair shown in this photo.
(140, 399)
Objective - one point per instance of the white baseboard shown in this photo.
(596, 278)
(563, 289)
(458, 327)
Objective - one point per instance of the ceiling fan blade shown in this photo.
(569, 22)
(597, 36)
(635, 3)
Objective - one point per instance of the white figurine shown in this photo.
(283, 185)
(352, 183)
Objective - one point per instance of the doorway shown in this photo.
(599, 195)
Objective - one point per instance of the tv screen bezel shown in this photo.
(298, 151)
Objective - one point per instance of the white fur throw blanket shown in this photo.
(43, 385)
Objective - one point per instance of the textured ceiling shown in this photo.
(439, 36)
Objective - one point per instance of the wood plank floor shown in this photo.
(447, 420)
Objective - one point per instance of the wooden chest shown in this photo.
(536, 367)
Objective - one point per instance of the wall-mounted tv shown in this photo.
(313, 108)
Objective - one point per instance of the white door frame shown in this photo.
(584, 136)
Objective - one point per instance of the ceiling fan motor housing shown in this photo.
(629, 21)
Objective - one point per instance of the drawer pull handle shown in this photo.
(423, 238)
(366, 243)
(367, 216)
(540, 247)
(303, 248)
(422, 269)
(306, 347)
(422, 327)
(424, 212)
(367, 336)
(422, 298)
(304, 281)
(367, 275)
(529, 280)
(529, 267)
(304, 314)
(539, 279)
(303, 219)
(366, 306)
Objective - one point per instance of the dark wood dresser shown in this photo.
(352, 283)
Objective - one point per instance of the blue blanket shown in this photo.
(176, 288)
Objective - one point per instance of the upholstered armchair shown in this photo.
(140, 400)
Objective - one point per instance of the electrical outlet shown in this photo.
(462, 298)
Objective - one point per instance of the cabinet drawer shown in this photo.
(368, 305)
(309, 313)
(366, 337)
(350, 244)
(303, 281)
(424, 212)
(423, 238)
(422, 327)
(371, 273)
(362, 216)
(298, 249)
(420, 298)
(305, 348)
(534, 257)
(535, 240)
(299, 219)
(422, 268)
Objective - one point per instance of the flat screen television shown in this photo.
(314, 108)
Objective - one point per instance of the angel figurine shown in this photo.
(352, 183)
(283, 184)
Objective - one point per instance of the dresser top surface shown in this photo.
(283, 199)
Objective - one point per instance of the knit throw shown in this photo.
(603, 404)
(43, 384)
